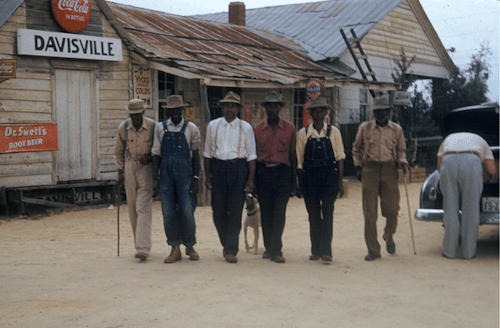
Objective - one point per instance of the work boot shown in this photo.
(193, 255)
(175, 255)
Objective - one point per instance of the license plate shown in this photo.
(490, 204)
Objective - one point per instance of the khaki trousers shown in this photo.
(380, 179)
(139, 189)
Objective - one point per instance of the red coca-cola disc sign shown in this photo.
(315, 88)
(72, 15)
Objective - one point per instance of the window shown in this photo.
(166, 87)
(299, 99)
(363, 104)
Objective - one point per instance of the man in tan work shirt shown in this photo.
(377, 151)
(133, 162)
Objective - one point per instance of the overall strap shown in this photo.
(165, 127)
(328, 131)
(183, 129)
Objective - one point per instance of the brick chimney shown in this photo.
(237, 14)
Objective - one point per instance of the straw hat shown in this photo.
(381, 102)
(136, 106)
(319, 102)
(275, 98)
(174, 101)
(231, 97)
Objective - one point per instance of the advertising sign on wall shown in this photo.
(72, 15)
(8, 68)
(33, 137)
(143, 86)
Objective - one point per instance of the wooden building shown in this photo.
(77, 78)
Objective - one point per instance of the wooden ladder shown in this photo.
(362, 56)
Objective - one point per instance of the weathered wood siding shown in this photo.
(27, 99)
(383, 43)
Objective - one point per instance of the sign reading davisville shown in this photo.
(54, 44)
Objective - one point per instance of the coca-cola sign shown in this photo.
(72, 15)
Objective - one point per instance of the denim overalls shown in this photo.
(320, 186)
(176, 177)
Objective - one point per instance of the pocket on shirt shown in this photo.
(283, 144)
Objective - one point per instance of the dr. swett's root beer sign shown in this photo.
(34, 137)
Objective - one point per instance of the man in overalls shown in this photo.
(176, 153)
(320, 162)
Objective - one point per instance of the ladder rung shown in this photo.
(362, 57)
(370, 73)
(357, 40)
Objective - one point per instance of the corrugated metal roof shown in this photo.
(217, 50)
(312, 25)
(7, 8)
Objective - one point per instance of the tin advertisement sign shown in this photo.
(8, 68)
(72, 15)
(33, 137)
(142, 84)
(315, 88)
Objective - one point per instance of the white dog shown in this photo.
(252, 220)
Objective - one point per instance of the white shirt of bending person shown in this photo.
(227, 141)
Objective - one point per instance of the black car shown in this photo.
(481, 120)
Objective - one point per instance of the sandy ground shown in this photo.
(63, 271)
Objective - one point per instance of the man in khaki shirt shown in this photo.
(133, 162)
(377, 151)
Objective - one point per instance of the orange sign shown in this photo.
(248, 112)
(35, 137)
(8, 68)
(315, 88)
(72, 15)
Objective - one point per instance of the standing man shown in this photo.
(276, 173)
(320, 157)
(176, 147)
(460, 159)
(229, 171)
(133, 161)
(378, 149)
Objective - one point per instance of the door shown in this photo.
(74, 112)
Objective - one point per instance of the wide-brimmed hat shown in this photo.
(273, 98)
(319, 102)
(381, 102)
(231, 97)
(136, 106)
(174, 101)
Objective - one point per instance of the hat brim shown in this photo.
(381, 108)
(136, 111)
(222, 102)
(171, 107)
(282, 103)
(327, 107)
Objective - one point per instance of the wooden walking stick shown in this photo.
(409, 214)
(118, 215)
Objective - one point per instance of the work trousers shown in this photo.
(274, 185)
(228, 198)
(380, 180)
(139, 189)
(462, 184)
(320, 188)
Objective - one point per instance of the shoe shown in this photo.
(391, 249)
(371, 257)
(141, 256)
(314, 257)
(266, 255)
(193, 255)
(326, 258)
(175, 255)
(278, 259)
(231, 258)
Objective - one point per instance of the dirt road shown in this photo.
(63, 271)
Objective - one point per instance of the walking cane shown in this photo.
(409, 214)
(118, 215)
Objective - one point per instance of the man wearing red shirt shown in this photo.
(276, 173)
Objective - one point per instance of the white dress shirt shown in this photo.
(227, 141)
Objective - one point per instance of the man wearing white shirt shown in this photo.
(460, 161)
(229, 171)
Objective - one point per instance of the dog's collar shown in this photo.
(250, 214)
